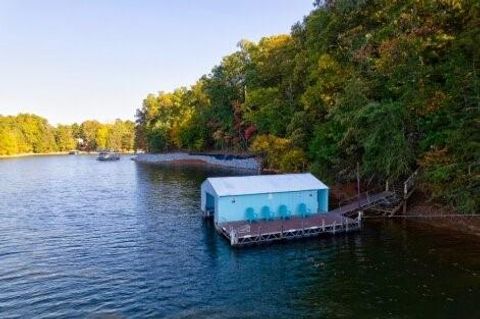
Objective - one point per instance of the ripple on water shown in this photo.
(82, 239)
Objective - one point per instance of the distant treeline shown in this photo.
(391, 85)
(29, 133)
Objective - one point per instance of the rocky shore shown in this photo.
(229, 161)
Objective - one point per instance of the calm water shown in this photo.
(81, 238)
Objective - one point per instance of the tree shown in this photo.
(88, 132)
(388, 84)
(64, 138)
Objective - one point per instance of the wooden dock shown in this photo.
(345, 218)
(243, 233)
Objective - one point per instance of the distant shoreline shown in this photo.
(54, 154)
(33, 154)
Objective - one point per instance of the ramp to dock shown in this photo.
(386, 203)
(365, 201)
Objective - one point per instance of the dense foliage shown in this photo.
(28, 133)
(390, 84)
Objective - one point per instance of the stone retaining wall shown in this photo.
(237, 163)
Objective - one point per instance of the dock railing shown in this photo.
(241, 233)
(385, 201)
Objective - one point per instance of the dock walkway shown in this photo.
(364, 201)
(242, 233)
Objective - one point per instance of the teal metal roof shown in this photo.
(261, 184)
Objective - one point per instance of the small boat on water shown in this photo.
(73, 152)
(108, 156)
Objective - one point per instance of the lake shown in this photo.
(81, 238)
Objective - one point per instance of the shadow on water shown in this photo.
(210, 238)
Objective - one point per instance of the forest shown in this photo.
(29, 133)
(390, 86)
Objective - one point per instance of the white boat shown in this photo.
(108, 156)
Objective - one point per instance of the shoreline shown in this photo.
(420, 211)
(185, 158)
(426, 213)
(56, 154)
(32, 154)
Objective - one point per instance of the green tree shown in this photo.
(392, 85)
(88, 133)
(64, 138)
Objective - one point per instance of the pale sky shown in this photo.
(74, 60)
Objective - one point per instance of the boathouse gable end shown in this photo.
(263, 197)
(208, 194)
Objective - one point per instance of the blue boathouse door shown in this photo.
(210, 205)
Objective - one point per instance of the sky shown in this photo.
(69, 61)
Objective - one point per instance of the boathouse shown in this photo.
(263, 197)
(266, 208)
